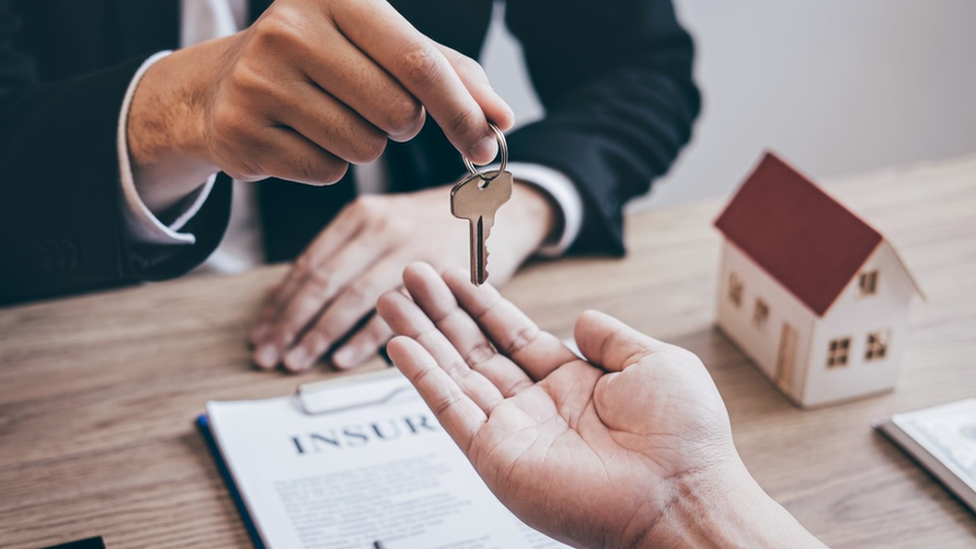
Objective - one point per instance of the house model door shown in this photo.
(786, 359)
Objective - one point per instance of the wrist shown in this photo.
(165, 130)
(535, 214)
(724, 508)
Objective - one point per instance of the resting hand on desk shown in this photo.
(632, 448)
(329, 296)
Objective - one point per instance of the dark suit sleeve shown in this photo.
(61, 225)
(615, 77)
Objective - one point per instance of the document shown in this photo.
(378, 468)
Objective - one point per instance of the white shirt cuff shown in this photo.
(561, 190)
(141, 225)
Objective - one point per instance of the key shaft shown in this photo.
(477, 200)
(479, 230)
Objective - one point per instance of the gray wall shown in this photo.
(837, 86)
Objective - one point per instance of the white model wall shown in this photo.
(856, 317)
(837, 86)
(762, 347)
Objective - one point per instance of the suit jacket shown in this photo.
(614, 78)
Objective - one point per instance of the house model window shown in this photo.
(867, 283)
(837, 354)
(735, 290)
(760, 315)
(877, 346)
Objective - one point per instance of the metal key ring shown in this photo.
(502, 151)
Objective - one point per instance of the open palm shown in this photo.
(593, 452)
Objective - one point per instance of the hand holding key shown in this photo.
(307, 89)
(477, 198)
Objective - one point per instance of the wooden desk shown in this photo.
(98, 393)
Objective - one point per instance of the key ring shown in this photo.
(502, 151)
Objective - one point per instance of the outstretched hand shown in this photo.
(594, 451)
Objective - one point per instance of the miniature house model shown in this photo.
(815, 296)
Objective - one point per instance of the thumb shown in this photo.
(611, 344)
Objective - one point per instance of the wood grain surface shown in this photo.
(98, 393)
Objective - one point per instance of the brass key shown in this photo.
(476, 198)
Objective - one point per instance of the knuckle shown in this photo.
(466, 123)
(479, 354)
(359, 292)
(520, 340)
(470, 67)
(325, 171)
(304, 265)
(367, 148)
(319, 278)
(248, 80)
(404, 116)
(419, 63)
(283, 333)
(443, 403)
(315, 341)
(280, 26)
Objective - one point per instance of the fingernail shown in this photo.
(344, 358)
(509, 115)
(267, 356)
(485, 151)
(297, 359)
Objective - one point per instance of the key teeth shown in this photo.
(484, 256)
(484, 269)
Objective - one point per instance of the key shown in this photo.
(476, 198)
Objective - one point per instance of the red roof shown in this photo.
(801, 236)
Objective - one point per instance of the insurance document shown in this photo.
(356, 463)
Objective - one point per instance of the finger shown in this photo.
(258, 331)
(344, 228)
(325, 121)
(282, 294)
(424, 71)
(356, 80)
(475, 79)
(320, 284)
(279, 298)
(436, 300)
(610, 343)
(512, 331)
(363, 345)
(356, 299)
(456, 412)
(286, 154)
(405, 318)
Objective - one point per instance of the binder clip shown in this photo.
(336, 395)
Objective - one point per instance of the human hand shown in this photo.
(334, 285)
(310, 87)
(629, 448)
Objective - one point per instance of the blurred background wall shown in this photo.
(837, 86)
